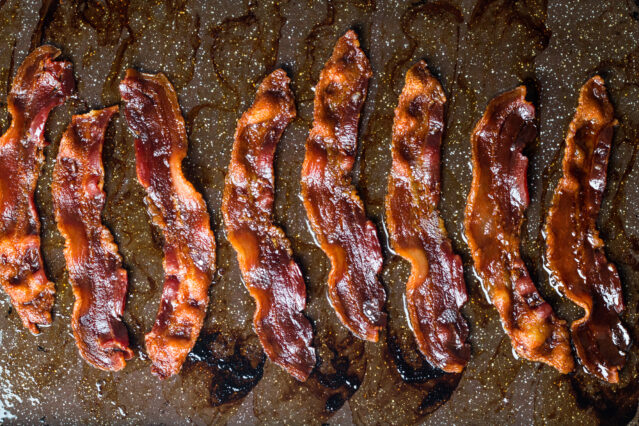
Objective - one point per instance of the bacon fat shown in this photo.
(153, 115)
(94, 265)
(40, 85)
(264, 253)
(335, 211)
(494, 214)
(575, 252)
(436, 290)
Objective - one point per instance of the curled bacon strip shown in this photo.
(494, 215)
(153, 114)
(264, 254)
(436, 290)
(95, 267)
(335, 211)
(575, 252)
(40, 85)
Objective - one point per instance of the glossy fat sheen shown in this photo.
(94, 265)
(436, 290)
(40, 85)
(575, 253)
(153, 115)
(335, 211)
(264, 253)
(494, 215)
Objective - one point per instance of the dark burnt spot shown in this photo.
(234, 376)
(408, 373)
(334, 403)
(613, 405)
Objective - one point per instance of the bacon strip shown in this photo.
(575, 252)
(494, 215)
(335, 211)
(264, 254)
(95, 267)
(153, 114)
(40, 85)
(435, 291)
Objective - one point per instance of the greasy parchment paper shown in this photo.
(215, 53)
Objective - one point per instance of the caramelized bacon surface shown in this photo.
(94, 265)
(575, 253)
(264, 253)
(494, 215)
(153, 115)
(335, 211)
(40, 85)
(435, 291)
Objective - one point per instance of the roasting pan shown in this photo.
(215, 53)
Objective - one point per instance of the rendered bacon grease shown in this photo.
(335, 211)
(153, 115)
(263, 251)
(494, 215)
(435, 291)
(575, 253)
(94, 265)
(40, 85)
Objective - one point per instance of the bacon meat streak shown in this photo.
(264, 253)
(335, 211)
(40, 85)
(575, 252)
(153, 115)
(94, 265)
(494, 215)
(436, 290)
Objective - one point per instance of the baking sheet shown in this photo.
(215, 53)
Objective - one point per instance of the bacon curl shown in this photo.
(335, 211)
(435, 291)
(264, 253)
(40, 85)
(575, 252)
(178, 210)
(494, 214)
(94, 265)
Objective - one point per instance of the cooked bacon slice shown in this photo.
(95, 267)
(153, 114)
(435, 291)
(575, 252)
(263, 251)
(335, 211)
(40, 85)
(494, 215)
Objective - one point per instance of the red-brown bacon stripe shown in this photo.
(575, 252)
(435, 291)
(335, 211)
(40, 85)
(153, 114)
(94, 265)
(264, 253)
(494, 215)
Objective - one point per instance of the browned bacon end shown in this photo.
(575, 252)
(494, 214)
(41, 84)
(264, 253)
(435, 291)
(335, 211)
(153, 115)
(94, 265)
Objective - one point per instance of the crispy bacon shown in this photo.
(335, 211)
(153, 114)
(575, 253)
(263, 251)
(95, 267)
(436, 290)
(494, 215)
(40, 85)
